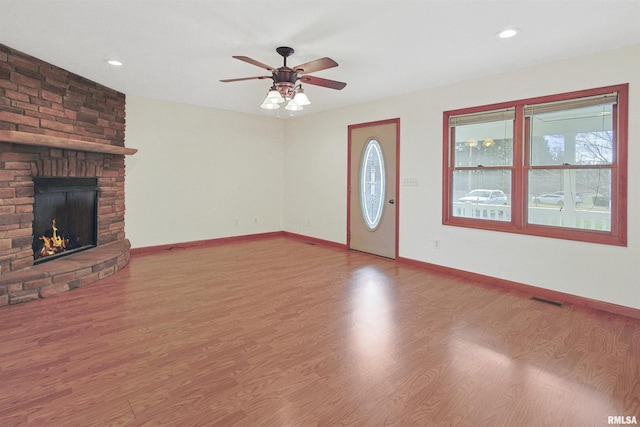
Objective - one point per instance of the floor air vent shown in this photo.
(546, 301)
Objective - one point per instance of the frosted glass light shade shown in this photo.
(274, 97)
(301, 98)
(267, 105)
(293, 106)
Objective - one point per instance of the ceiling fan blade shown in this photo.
(245, 78)
(254, 62)
(331, 84)
(317, 65)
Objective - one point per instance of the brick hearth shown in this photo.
(54, 123)
(61, 275)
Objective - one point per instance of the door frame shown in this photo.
(395, 121)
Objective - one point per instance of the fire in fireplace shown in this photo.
(55, 243)
(64, 216)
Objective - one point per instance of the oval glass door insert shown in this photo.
(372, 184)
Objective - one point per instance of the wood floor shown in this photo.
(278, 332)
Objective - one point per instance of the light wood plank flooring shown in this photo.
(277, 332)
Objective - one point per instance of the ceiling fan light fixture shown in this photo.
(301, 98)
(267, 105)
(293, 106)
(274, 96)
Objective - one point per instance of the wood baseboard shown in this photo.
(146, 250)
(531, 291)
(315, 241)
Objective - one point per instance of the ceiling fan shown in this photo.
(287, 81)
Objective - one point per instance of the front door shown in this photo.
(373, 204)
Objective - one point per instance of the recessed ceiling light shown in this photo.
(114, 62)
(508, 33)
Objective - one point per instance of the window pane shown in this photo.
(486, 144)
(372, 184)
(571, 198)
(581, 136)
(482, 194)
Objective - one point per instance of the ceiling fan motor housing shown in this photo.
(285, 74)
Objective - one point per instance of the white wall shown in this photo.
(200, 173)
(315, 182)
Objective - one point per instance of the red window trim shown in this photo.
(518, 224)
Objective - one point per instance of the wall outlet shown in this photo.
(436, 244)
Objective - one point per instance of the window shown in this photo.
(553, 166)
(372, 184)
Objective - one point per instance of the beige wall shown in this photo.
(200, 173)
(292, 174)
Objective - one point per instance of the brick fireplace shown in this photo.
(55, 124)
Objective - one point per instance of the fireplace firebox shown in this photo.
(65, 216)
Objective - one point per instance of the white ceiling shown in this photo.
(179, 50)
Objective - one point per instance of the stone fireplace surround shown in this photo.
(54, 123)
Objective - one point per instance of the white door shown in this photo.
(373, 203)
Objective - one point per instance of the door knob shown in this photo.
(392, 201)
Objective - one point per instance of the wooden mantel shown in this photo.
(25, 138)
